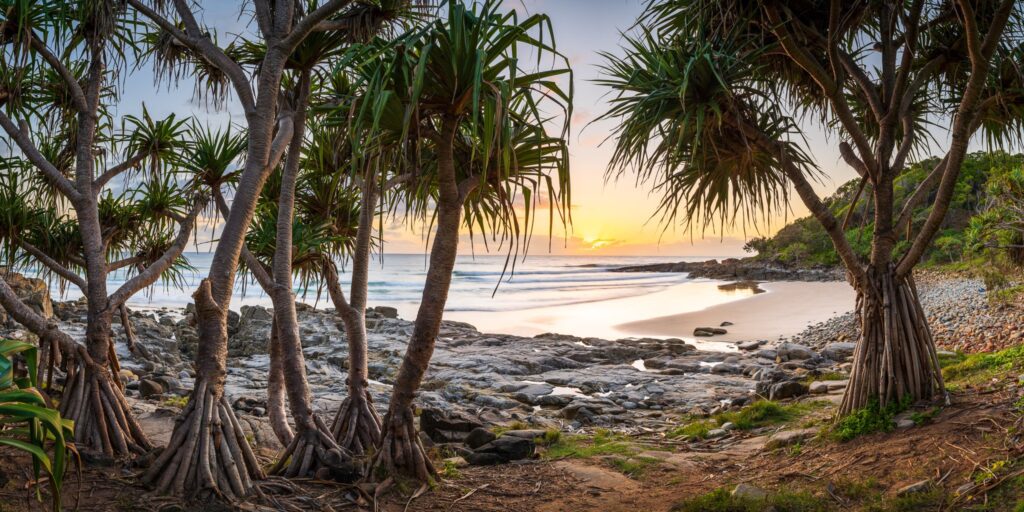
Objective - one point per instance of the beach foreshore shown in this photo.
(557, 381)
(784, 309)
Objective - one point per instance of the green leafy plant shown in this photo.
(868, 420)
(28, 423)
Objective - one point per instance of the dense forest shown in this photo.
(984, 219)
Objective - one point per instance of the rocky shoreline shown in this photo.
(548, 381)
(746, 269)
(960, 313)
(551, 381)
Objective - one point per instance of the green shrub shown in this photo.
(868, 420)
(28, 424)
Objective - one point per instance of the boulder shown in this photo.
(447, 426)
(709, 331)
(530, 434)
(478, 437)
(792, 351)
(253, 334)
(839, 351)
(34, 293)
(501, 450)
(749, 345)
(789, 438)
(826, 386)
(386, 311)
(789, 389)
(149, 387)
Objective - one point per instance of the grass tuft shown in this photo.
(758, 414)
(721, 500)
(976, 369)
(868, 420)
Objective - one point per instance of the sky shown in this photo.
(609, 217)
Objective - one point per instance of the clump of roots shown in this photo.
(208, 455)
(103, 419)
(895, 357)
(401, 452)
(314, 453)
(357, 426)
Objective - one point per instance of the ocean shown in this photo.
(577, 295)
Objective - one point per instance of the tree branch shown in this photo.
(196, 40)
(151, 273)
(308, 23)
(54, 265)
(962, 127)
(62, 183)
(46, 329)
(334, 290)
(852, 160)
(126, 262)
(827, 84)
(807, 195)
(102, 180)
(77, 94)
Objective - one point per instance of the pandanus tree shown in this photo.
(60, 62)
(207, 453)
(353, 163)
(312, 450)
(459, 83)
(714, 100)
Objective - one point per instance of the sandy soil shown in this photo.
(785, 309)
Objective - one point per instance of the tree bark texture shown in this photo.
(401, 451)
(357, 427)
(895, 358)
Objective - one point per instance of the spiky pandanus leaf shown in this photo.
(678, 108)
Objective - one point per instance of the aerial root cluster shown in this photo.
(208, 452)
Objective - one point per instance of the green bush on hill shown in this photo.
(983, 220)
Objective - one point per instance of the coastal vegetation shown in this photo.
(709, 104)
(358, 117)
(982, 224)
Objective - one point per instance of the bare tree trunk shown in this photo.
(275, 391)
(92, 395)
(895, 357)
(208, 453)
(357, 427)
(312, 451)
(401, 451)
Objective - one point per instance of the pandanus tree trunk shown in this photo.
(356, 425)
(895, 358)
(208, 454)
(276, 391)
(312, 450)
(401, 451)
(92, 395)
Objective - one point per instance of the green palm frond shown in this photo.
(680, 110)
(466, 66)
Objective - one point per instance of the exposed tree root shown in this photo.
(208, 455)
(896, 356)
(401, 452)
(314, 453)
(357, 426)
(103, 419)
(49, 359)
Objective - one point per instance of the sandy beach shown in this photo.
(785, 309)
